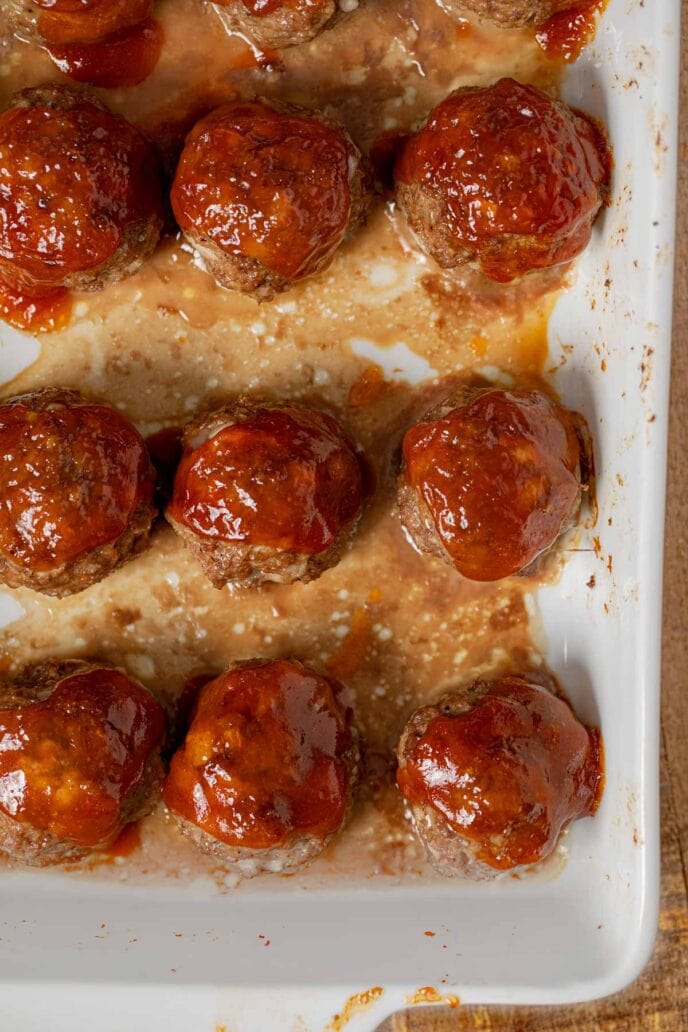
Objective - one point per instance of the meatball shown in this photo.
(80, 188)
(79, 759)
(76, 492)
(490, 479)
(509, 13)
(266, 193)
(494, 774)
(59, 22)
(503, 176)
(279, 23)
(265, 775)
(266, 492)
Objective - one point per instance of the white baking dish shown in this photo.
(104, 956)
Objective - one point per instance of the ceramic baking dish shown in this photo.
(109, 956)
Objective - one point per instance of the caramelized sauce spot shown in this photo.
(35, 313)
(263, 759)
(565, 35)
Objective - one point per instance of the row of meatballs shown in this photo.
(269, 23)
(266, 491)
(265, 192)
(266, 773)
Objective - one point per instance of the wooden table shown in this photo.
(658, 1001)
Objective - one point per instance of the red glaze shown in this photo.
(42, 314)
(165, 450)
(509, 774)
(68, 763)
(127, 842)
(72, 181)
(285, 478)
(500, 478)
(250, 56)
(566, 34)
(73, 477)
(264, 758)
(384, 154)
(507, 162)
(124, 59)
(87, 21)
(265, 185)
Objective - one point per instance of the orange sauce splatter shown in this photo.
(384, 153)
(351, 652)
(428, 994)
(368, 388)
(35, 314)
(128, 840)
(123, 59)
(353, 1006)
(479, 345)
(252, 57)
(565, 35)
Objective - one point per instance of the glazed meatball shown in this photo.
(508, 13)
(266, 194)
(505, 177)
(59, 22)
(266, 493)
(265, 775)
(279, 23)
(76, 492)
(81, 201)
(490, 479)
(79, 759)
(494, 774)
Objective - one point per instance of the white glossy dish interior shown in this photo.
(585, 933)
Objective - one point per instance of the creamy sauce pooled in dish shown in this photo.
(397, 628)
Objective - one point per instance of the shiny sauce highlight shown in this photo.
(263, 759)
(68, 763)
(509, 774)
(286, 478)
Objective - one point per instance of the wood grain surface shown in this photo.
(658, 1001)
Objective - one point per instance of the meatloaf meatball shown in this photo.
(81, 201)
(490, 479)
(266, 194)
(59, 22)
(509, 13)
(503, 176)
(279, 23)
(265, 775)
(79, 758)
(494, 774)
(76, 492)
(266, 492)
